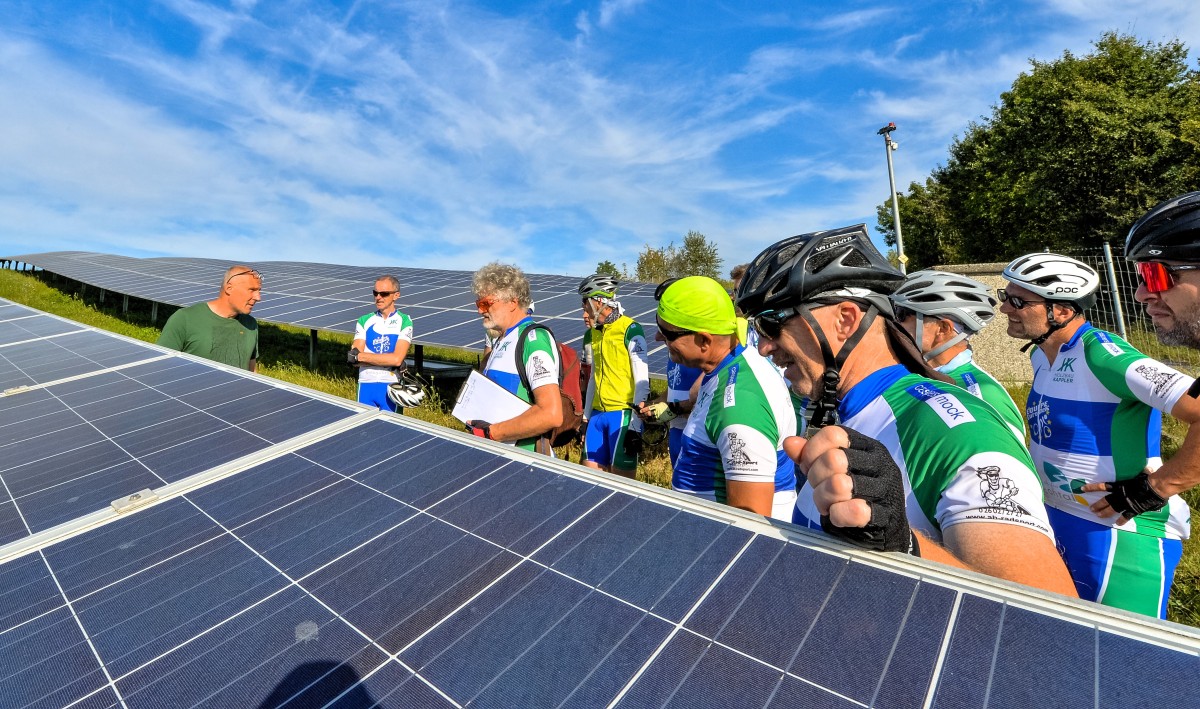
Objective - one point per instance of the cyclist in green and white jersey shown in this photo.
(913, 450)
(1095, 416)
(942, 311)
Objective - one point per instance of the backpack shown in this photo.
(568, 387)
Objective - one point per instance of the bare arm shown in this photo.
(544, 414)
(755, 497)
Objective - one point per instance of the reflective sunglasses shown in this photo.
(250, 272)
(383, 293)
(769, 324)
(1158, 276)
(485, 304)
(1016, 301)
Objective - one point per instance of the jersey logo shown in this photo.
(1061, 487)
(1038, 416)
(1112, 347)
(999, 492)
(737, 450)
(1068, 364)
(972, 384)
(381, 344)
(539, 369)
(947, 406)
(1159, 380)
(730, 389)
(639, 347)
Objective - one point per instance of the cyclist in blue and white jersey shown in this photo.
(917, 463)
(732, 447)
(1094, 416)
(381, 341)
(503, 298)
(942, 311)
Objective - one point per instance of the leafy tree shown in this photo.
(609, 268)
(1072, 154)
(697, 257)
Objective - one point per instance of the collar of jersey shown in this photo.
(395, 312)
(733, 354)
(521, 322)
(869, 390)
(959, 360)
(1078, 334)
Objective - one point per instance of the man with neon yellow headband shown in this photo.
(733, 442)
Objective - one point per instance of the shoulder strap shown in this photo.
(520, 354)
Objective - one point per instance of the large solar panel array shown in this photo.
(332, 297)
(362, 559)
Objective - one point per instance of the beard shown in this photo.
(1186, 331)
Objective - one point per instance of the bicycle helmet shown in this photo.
(946, 295)
(828, 267)
(1058, 279)
(1170, 231)
(407, 392)
(598, 285)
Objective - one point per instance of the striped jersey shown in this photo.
(680, 379)
(974, 379)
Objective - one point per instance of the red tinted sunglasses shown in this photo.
(1158, 276)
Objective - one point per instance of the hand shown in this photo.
(857, 488)
(633, 443)
(352, 357)
(656, 413)
(1128, 498)
(483, 429)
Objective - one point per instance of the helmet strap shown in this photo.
(931, 354)
(1051, 326)
(825, 406)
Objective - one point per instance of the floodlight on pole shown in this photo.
(888, 146)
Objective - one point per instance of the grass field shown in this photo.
(285, 356)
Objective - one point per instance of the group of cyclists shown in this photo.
(910, 445)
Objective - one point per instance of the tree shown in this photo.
(697, 257)
(1074, 152)
(609, 268)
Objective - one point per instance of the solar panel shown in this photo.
(382, 560)
(332, 297)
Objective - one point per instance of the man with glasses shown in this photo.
(732, 443)
(942, 311)
(503, 299)
(221, 329)
(620, 380)
(916, 464)
(1095, 426)
(381, 342)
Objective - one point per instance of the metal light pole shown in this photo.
(888, 146)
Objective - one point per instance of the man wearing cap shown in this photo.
(916, 464)
(732, 447)
(1094, 418)
(221, 329)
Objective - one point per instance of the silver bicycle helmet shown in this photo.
(946, 295)
(598, 285)
(406, 393)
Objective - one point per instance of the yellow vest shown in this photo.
(612, 370)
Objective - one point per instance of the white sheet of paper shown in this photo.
(482, 399)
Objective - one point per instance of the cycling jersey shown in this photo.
(620, 376)
(1094, 416)
(959, 461)
(743, 412)
(381, 335)
(541, 365)
(974, 379)
(680, 379)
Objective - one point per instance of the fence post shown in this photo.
(1112, 284)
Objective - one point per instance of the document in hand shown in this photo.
(481, 399)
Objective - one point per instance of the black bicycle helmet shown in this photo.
(1170, 231)
(807, 267)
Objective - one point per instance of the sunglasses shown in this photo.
(662, 288)
(485, 304)
(1016, 301)
(251, 272)
(672, 335)
(769, 324)
(1158, 276)
(383, 293)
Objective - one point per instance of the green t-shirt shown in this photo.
(197, 330)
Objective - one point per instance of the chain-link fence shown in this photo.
(1117, 311)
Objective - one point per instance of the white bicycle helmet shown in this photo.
(1055, 277)
(598, 285)
(406, 393)
(945, 295)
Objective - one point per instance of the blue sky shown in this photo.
(440, 134)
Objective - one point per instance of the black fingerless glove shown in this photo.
(1134, 496)
(352, 356)
(633, 443)
(876, 479)
(483, 429)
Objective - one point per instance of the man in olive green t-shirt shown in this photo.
(221, 329)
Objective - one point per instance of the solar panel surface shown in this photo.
(333, 297)
(377, 561)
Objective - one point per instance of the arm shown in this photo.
(172, 335)
(590, 396)
(387, 359)
(1006, 551)
(544, 414)
(755, 497)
